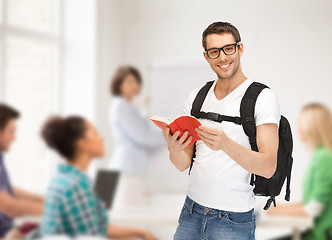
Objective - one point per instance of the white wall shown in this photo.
(78, 86)
(286, 46)
(108, 49)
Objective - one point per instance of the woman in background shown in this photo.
(134, 137)
(315, 130)
(71, 207)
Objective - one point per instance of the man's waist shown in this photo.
(205, 209)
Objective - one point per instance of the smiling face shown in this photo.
(225, 66)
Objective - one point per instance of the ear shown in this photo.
(241, 49)
(81, 144)
(205, 56)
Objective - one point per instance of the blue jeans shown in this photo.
(197, 222)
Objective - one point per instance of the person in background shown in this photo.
(315, 130)
(134, 136)
(71, 206)
(14, 202)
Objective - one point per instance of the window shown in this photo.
(30, 47)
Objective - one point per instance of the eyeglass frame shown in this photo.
(222, 49)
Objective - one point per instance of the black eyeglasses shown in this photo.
(229, 49)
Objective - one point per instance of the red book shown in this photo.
(182, 124)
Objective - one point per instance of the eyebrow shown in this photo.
(220, 47)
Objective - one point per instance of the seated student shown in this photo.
(315, 130)
(14, 202)
(71, 207)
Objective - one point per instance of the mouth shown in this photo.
(224, 66)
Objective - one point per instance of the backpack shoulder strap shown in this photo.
(247, 112)
(196, 108)
(200, 97)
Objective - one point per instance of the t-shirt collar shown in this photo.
(243, 84)
(70, 169)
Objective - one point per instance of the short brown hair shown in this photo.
(219, 28)
(120, 76)
(7, 113)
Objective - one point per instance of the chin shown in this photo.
(100, 155)
(225, 76)
(5, 149)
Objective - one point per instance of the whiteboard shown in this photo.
(170, 83)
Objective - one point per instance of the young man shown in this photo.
(220, 199)
(14, 202)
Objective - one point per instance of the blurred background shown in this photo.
(58, 56)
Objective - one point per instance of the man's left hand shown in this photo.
(212, 137)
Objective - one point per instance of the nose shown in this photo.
(222, 56)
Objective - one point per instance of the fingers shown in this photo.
(212, 131)
(204, 135)
(183, 137)
(175, 136)
(209, 145)
(167, 134)
(186, 143)
(174, 141)
(206, 139)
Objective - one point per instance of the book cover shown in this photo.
(181, 124)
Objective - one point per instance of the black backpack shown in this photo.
(263, 187)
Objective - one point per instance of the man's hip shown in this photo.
(200, 222)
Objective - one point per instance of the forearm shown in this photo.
(180, 160)
(259, 163)
(122, 232)
(19, 193)
(295, 210)
(19, 208)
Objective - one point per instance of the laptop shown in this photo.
(106, 185)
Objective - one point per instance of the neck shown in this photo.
(81, 162)
(129, 99)
(313, 147)
(226, 85)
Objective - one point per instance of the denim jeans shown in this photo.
(197, 222)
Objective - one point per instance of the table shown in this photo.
(295, 223)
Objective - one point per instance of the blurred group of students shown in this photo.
(70, 206)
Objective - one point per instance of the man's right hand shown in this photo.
(174, 143)
(180, 152)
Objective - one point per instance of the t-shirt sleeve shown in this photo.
(267, 108)
(189, 101)
(322, 181)
(2, 185)
(4, 181)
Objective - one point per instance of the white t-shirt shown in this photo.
(216, 180)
